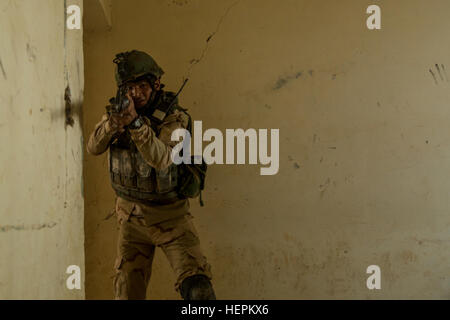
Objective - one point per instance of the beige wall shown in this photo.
(364, 147)
(41, 219)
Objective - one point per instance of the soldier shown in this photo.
(150, 211)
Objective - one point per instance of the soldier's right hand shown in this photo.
(124, 118)
(114, 123)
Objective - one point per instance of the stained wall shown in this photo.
(41, 150)
(364, 147)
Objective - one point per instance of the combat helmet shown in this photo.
(132, 65)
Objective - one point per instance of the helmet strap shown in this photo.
(152, 97)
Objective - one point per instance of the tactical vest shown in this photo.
(134, 179)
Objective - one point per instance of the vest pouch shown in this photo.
(144, 174)
(128, 174)
(114, 165)
(166, 179)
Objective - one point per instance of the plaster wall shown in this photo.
(364, 143)
(41, 150)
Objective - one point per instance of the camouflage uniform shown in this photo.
(149, 211)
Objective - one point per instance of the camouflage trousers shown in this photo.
(136, 247)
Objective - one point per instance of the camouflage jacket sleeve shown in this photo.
(101, 137)
(157, 149)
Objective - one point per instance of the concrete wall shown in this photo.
(41, 218)
(364, 147)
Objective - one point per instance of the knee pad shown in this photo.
(197, 287)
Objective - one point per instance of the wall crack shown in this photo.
(196, 61)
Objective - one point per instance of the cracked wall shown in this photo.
(41, 219)
(363, 143)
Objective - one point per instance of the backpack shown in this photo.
(191, 177)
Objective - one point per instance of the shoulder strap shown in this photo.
(189, 126)
(169, 100)
(163, 107)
